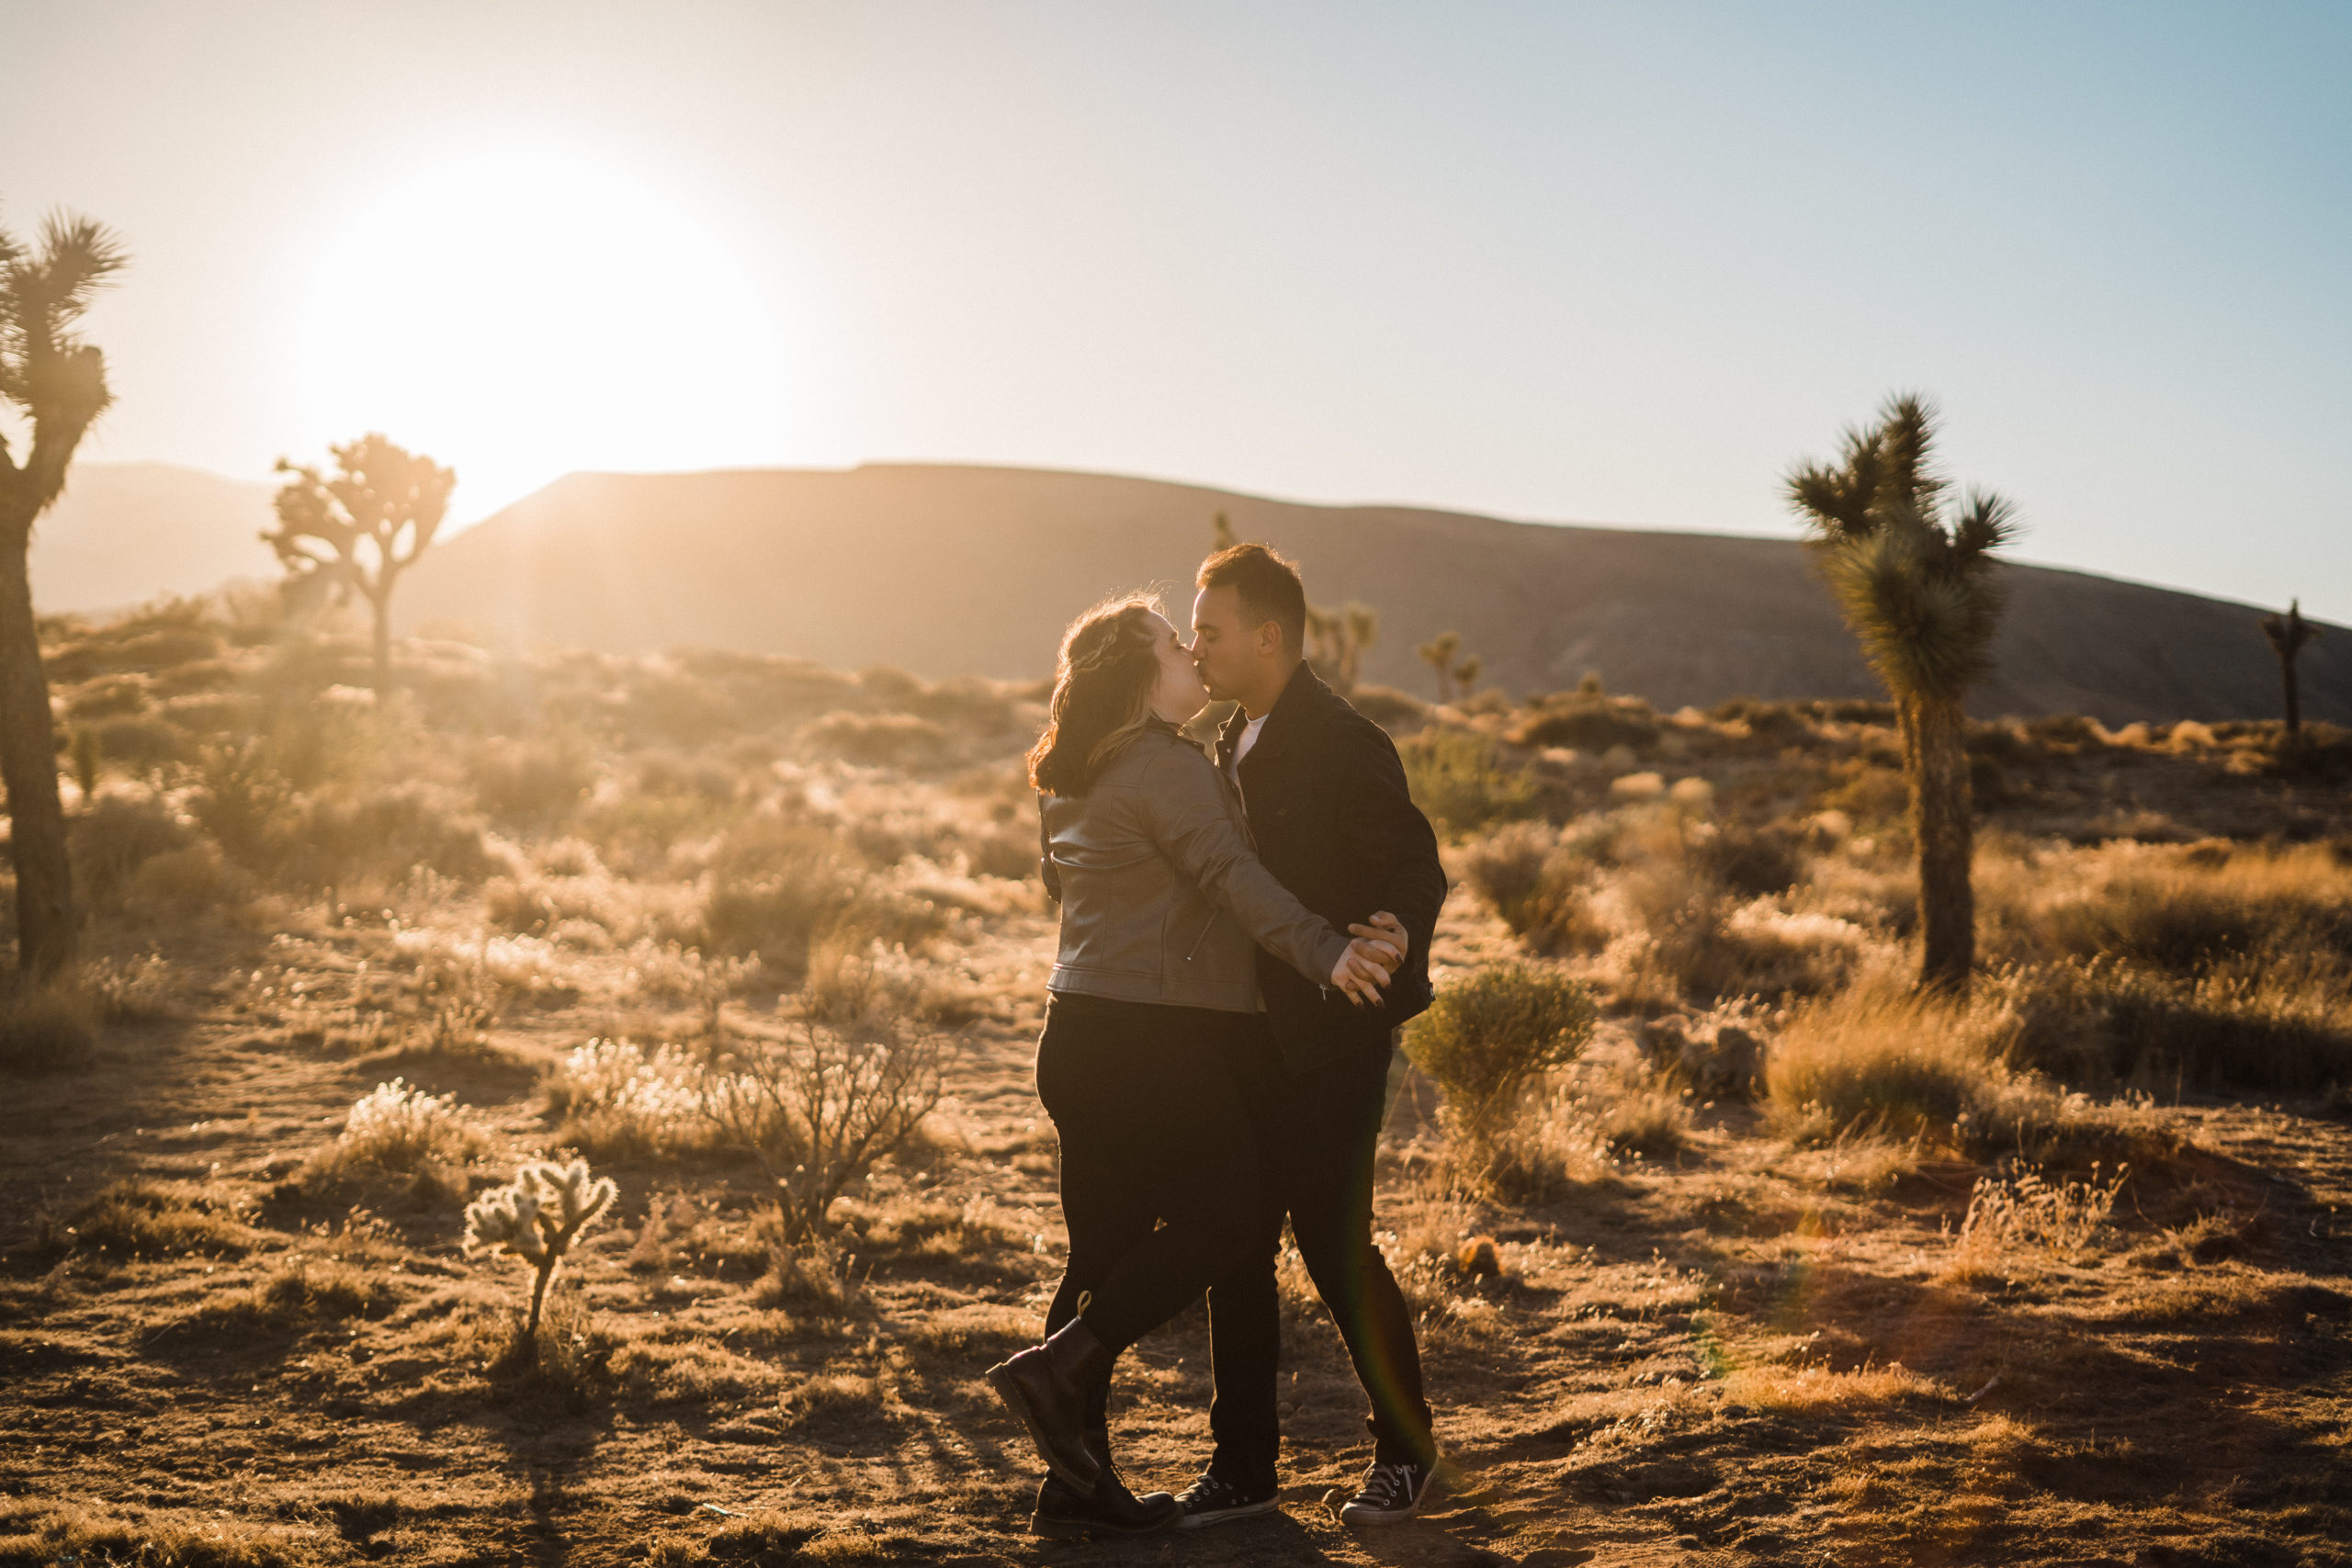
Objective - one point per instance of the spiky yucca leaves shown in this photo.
(537, 1217)
(1914, 581)
(2288, 633)
(58, 384)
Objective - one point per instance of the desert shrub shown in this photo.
(116, 834)
(1486, 1036)
(817, 1278)
(1590, 724)
(617, 1103)
(1399, 713)
(2020, 1209)
(531, 782)
(47, 1026)
(1706, 949)
(1750, 862)
(536, 1218)
(398, 1130)
(1717, 1055)
(240, 800)
(777, 887)
(197, 877)
(387, 833)
(132, 990)
(1541, 884)
(2174, 909)
(2245, 1027)
(139, 1216)
(884, 739)
(1880, 1056)
(141, 742)
(1463, 781)
(819, 1107)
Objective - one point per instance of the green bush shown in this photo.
(1487, 1035)
(1464, 779)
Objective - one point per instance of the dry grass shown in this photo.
(1654, 1325)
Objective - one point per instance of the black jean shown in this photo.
(1160, 1161)
(1318, 1133)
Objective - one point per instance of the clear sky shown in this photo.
(1609, 263)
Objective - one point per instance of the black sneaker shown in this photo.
(1389, 1492)
(1214, 1500)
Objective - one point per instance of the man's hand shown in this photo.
(1386, 936)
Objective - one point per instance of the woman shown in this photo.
(1162, 903)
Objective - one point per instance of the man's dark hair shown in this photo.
(1268, 586)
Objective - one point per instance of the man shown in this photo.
(1325, 798)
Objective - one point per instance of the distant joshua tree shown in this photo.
(1918, 590)
(1465, 674)
(2288, 633)
(382, 497)
(1438, 654)
(58, 385)
(1336, 641)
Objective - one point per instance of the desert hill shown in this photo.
(125, 533)
(946, 569)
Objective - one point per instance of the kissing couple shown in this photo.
(1240, 940)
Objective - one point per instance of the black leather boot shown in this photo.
(1110, 1509)
(1046, 1385)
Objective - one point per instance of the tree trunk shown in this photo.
(2294, 695)
(382, 602)
(1942, 821)
(47, 925)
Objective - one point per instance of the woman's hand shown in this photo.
(1361, 973)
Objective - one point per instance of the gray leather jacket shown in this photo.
(1162, 897)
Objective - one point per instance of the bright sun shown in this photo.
(523, 314)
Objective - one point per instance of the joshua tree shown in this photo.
(1917, 588)
(2287, 633)
(384, 498)
(58, 385)
(1221, 536)
(1438, 654)
(1336, 641)
(1465, 674)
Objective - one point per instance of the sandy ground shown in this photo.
(1737, 1353)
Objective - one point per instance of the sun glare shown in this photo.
(523, 314)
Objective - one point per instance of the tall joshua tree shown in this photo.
(1914, 579)
(2288, 633)
(57, 384)
(362, 529)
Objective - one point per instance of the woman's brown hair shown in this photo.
(1103, 687)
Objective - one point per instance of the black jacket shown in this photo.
(1328, 805)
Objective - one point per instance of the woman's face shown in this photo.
(1179, 694)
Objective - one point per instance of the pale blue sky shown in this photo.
(1616, 263)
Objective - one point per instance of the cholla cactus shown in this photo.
(536, 1217)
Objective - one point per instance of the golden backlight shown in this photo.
(522, 314)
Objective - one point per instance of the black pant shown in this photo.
(1316, 1136)
(1152, 1130)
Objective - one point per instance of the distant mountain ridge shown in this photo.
(125, 533)
(946, 569)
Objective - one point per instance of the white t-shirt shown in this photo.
(1241, 747)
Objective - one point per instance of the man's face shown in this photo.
(1226, 650)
